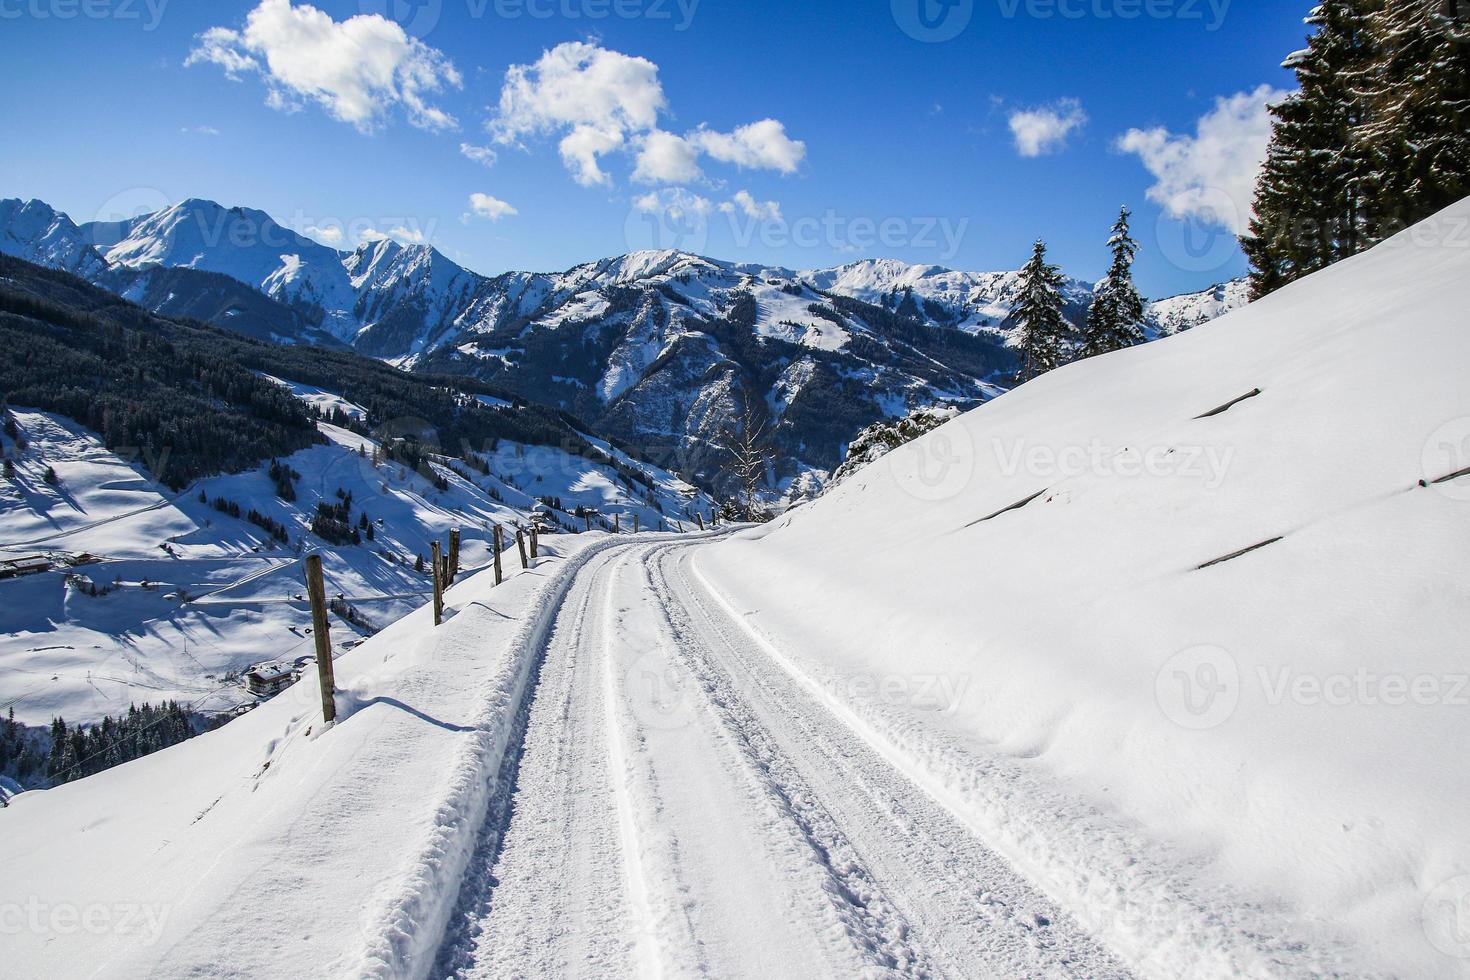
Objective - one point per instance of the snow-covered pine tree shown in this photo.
(1043, 332)
(1419, 130)
(1115, 319)
(1309, 210)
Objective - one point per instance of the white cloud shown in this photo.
(327, 236)
(751, 208)
(602, 101)
(1044, 130)
(579, 84)
(491, 207)
(1211, 175)
(580, 149)
(479, 154)
(200, 130)
(761, 145)
(676, 202)
(356, 69)
(664, 158)
(399, 234)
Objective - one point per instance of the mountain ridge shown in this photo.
(665, 349)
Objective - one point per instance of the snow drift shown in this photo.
(1202, 600)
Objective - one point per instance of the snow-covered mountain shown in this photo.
(33, 231)
(970, 301)
(662, 348)
(244, 244)
(1180, 313)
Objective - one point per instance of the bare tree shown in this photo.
(750, 457)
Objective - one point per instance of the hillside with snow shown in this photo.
(168, 567)
(1204, 594)
(189, 597)
(1149, 668)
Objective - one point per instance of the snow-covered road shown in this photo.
(682, 804)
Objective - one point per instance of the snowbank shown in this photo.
(273, 847)
(1254, 766)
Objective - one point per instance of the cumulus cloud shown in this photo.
(399, 234)
(746, 204)
(330, 235)
(357, 69)
(479, 154)
(761, 145)
(676, 202)
(1210, 176)
(664, 158)
(1044, 130)
(489, 207)
(581, 148)
(602, 101)
(579, 84)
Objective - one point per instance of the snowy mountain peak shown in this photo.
(34, 231)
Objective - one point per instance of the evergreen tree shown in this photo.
(1115, 320)
(1309, 208)
(1419, 130)
(1043, 332)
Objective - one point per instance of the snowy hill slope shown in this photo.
(1230, 639)
(354, 835)
(191, 596)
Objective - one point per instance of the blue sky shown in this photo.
(885, 141)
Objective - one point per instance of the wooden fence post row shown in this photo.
(321, 632)
(438, 584)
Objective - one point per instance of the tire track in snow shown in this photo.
(972, 914)
(873, 923)
(646, 947)
(537, 776)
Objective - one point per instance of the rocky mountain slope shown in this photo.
(662, 348)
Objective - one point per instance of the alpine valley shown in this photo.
(663, 350)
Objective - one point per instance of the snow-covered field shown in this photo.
(1152, 667)
(69, 654)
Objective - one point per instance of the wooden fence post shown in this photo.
(321, 632)
(617, 523)
(535, 543)
(587, 518)
(635, 522)
(453, 555)
(521, 547)
(700, 518)
(499, 544)
(438, 584)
